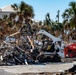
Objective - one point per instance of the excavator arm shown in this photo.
(49, 35)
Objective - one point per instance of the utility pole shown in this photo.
(58, 13)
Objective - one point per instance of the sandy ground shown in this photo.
(51, 67)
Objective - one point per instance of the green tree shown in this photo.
(48, 21)
(69, 15)
(23, 10)
(51, 25)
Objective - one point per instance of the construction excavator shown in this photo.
(49, 48)
(68, 51)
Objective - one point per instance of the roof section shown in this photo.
(7, 9)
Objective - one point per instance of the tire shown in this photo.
(41, 58)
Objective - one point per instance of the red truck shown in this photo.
(70, 51)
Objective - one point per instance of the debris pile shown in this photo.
(27, 49)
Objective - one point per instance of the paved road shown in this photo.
(51, 67)
(2, 72)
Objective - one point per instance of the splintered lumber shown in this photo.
(30, 42)
(14, 34)
(5, 42)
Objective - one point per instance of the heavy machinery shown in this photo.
(70, 50)
(49, 51)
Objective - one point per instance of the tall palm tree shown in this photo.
(23, 10)
(69, 15)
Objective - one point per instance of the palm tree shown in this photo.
(69, 15)
(48, 21)
(52, 26)
(23, 10)
(29, 12)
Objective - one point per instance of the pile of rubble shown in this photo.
(26, 49)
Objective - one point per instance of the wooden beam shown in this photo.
(30, 42)
(14, 34)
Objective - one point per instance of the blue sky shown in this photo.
(42, 7)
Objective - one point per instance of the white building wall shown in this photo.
(6, 10)
(4, 13)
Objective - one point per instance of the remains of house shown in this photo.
(27, 50)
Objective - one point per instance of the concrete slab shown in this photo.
(51, 67)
